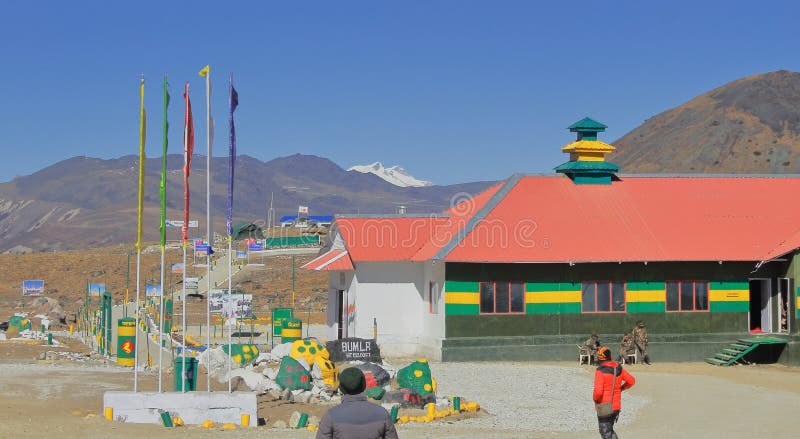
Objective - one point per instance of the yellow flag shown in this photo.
(204, 71)
(142, 118)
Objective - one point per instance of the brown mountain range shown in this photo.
(87, 202)
(751, 125)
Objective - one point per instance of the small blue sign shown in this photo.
(32, 287)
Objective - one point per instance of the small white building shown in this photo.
(382, 277)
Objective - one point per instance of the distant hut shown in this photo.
(245, 230)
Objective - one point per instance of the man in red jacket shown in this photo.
(609, 375)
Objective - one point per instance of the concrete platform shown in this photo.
(193, 407)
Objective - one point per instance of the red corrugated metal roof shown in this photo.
(331, 260)
(551, 219)
(638, 218)
(407, 238)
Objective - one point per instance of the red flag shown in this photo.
(188, 150)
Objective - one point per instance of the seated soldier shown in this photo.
(591, 345)
(626, 347)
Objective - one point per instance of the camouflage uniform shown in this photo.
(626, 347)
(640, 340)
(591, 345)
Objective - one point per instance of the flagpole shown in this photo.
(188, 149)
(183, 320)
(161, 323)
(206, 73)
(233, 103)
(163, 195)
(142, 135)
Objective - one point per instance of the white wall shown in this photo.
(395, 294)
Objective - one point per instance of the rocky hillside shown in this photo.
(88, 202)
(751, 125)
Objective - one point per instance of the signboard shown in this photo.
(152, 290)
(192, 283)
(241, 254)
(179, 223)
(278, 316)
(257, 247)
(234, 305)
(354, 349)
(177, 268)
(202, 250)
(32, 287)
(302, 209)
(95, 290)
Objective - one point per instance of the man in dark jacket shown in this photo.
(355, 417)
(609, 375)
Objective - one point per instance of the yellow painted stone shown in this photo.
(177, 421)
(309, 350)
(207, 424)
(329, 372)
(423, 360)
(433, 384)
(229, 426)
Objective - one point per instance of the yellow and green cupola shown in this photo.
(587, 156)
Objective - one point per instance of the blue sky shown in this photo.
(454, 91)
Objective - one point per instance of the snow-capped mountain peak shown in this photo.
(395, 175)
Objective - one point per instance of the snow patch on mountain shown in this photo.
(395, 175)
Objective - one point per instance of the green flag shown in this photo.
(163, 185)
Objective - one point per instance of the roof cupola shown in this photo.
(587, 156)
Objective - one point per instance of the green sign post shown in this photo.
(278, 316)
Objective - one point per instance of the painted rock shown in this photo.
(374, 374)
(417, 377)
(308, 349)
(406, 398)
(292, 375)
(242, 353)
(328, 372)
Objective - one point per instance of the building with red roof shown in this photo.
(536, 262)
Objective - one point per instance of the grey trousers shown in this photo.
(607, 426)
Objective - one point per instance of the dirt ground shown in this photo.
(67, 273)
(63, 398)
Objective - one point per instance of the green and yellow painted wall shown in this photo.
(553, 299)
(463, 297)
